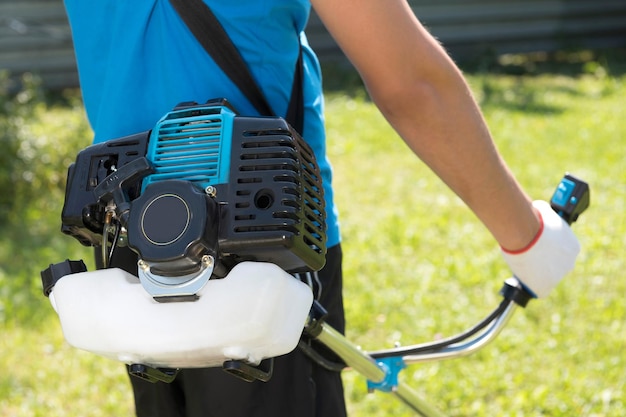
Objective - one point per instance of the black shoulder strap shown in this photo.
(207, 29)
(295, 111)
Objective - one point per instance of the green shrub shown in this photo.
(38, 141)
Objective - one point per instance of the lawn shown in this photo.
(418, 265)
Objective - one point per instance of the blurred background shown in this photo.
(35, 36)
(550, 76)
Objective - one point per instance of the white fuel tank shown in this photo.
(257, 311)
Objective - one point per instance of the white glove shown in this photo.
(550, 256)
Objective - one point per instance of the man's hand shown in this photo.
(542, 264)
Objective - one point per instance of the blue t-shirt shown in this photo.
(137, 60)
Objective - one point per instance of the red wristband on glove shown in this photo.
(532, 242)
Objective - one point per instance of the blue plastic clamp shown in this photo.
(392, 367)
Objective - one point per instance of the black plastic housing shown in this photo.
(55, 272)
(570, 198)
(83, 215)
(271, 209)
(172, 225)
(274, 209)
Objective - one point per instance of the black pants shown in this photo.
(298, 387)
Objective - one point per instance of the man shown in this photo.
(137, 60)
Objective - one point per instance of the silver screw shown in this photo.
(208, 260)
(210, 191)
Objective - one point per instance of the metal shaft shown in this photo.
(351, 354)
(358, 360)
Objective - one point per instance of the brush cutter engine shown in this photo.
(203, 191)
(221, 211)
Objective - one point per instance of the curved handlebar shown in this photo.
(463, 344)
(381, 368)
(470, 346)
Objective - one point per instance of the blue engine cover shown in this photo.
(192, 144)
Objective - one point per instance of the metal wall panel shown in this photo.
(470, 28)
(473, 27)
(35, 37)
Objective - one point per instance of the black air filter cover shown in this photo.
(275, 207)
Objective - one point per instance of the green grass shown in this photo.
(418, 265)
